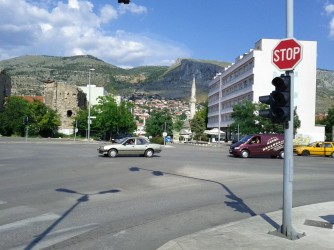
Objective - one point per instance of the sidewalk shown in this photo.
(314, 221)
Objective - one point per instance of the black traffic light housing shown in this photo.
(124, 1)
(25, 120)
(278, 100)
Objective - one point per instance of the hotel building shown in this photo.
(250, 76)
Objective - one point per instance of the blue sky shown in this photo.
(157, 32)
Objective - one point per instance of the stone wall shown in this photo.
(66, 100)
(5, 88)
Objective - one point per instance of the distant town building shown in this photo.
(95, 93)
(250, 76)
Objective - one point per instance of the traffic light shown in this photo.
(25, 120)
(124, 1)
(278, 100)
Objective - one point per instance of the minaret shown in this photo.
(193, 99)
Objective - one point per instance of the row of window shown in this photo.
(225, 105)
(246, 83)
(238, 72)
(230, 103)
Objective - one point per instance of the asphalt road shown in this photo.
(63, 195)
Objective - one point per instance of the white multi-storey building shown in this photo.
(250, 76)
(95, 93)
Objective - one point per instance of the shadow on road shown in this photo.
(83, 198)
(235, 202)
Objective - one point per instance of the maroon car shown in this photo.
(259, 145)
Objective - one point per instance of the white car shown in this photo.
(131, 146)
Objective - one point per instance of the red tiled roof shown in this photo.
(33, 98)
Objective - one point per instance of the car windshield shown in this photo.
(246, 138)
(123, 140)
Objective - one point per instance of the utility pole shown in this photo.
(89, 118)
(286, 228)
(219, 103)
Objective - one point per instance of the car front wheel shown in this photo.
(305, 153)
(332, 154)
(112, 153)
(244, 154)
(149, 153)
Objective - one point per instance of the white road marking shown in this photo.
(25, 222)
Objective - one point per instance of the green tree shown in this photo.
(178, 123)
(246, 115)
(111, 118)
(199, 122)
(44, 121)
(12, 118)
(328, 122)
(80, 120)
(158, 122)
(296, 121)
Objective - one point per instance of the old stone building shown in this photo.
(5, 88)
(66, 100)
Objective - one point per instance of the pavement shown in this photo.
(314, 223)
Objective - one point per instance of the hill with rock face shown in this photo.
(325, 90)
(29, 73)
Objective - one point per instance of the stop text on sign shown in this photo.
(286, 54)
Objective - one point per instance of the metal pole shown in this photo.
(219, 117)
(88, 121)
(286, 228)
(27, 128)
(289, 18)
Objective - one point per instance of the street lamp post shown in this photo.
(88, 120)
(219, 100)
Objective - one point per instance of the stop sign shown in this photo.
(287, 54)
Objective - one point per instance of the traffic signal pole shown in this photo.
(286, 229)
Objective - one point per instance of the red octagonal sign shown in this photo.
(287, 54)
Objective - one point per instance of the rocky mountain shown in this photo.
(325, 90)
(28, 74)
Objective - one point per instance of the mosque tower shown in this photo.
(193, 99)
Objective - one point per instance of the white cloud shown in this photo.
(108, 13)
(77, 28)
(132, 8)
(329, 9)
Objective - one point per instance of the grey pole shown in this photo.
(88, 120)
(286, 228)
(219, 100)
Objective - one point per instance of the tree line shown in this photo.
(112, 118)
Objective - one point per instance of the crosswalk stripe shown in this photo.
(2, 202)
(61, 235)
(18, 212)
(25, 222)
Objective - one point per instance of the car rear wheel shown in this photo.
(112, 153)
(305, 153)
(244, 153)
(149, 153)
(332, 154)
(281, 154)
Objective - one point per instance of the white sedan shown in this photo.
(130, 146)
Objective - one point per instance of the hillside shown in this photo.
(28, 74)
(325, 90)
